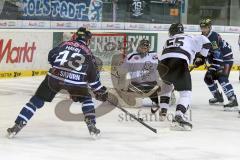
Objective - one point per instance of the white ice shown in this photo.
(215, 135)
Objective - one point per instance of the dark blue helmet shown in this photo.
(83, 34)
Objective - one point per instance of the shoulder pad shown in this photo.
(151, 52)
(130, 56)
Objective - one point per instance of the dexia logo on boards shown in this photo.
(16, 54)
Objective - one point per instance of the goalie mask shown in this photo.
(143, 47)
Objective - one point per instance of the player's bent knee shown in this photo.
(223, 79)
(37, 102)
(208, 80)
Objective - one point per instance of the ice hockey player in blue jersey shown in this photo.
(73, 69)
(220, 59)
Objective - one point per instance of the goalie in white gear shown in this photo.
(139, 75)
(179, 51)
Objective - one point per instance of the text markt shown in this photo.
(16, 54)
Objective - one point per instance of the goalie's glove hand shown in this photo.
(101, 94)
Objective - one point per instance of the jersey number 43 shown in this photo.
(73, 60)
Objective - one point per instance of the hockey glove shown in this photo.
(101, 94)
(198, 60)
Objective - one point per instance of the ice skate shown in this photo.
(154, 108)
(12, 132)
(180, 122)
(162, 114)
(232, 105)
(93, 131)
(218, 99)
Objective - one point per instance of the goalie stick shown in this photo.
(114, 101)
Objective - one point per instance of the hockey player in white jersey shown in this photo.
(179, 51)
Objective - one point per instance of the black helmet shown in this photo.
(83, 34)
(175, 28)
(207, 22)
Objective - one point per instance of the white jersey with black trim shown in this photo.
(142, 68)
(185, 47)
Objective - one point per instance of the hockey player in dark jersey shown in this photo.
(73, 69)
(220, 60)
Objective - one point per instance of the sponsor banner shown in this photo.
(191, 28)
(159, 27)
(19, 73)
(133, 40)
(24, 50)
(90, 25)
(112, 25)
(136, 26)
(218, 28)
(36, 24)
(10, 24)
(63, 24)
(232, 29)
(64, 10)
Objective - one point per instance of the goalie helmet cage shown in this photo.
(105, 45)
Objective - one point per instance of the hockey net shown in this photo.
(106, 45)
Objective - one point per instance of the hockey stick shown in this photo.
(140, 120)
(114, 101)
(192, 67)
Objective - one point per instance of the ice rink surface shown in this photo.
(215, 134)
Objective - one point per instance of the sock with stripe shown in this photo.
(29, 109)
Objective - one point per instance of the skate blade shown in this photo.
(95, 136)
(231, 109)
(162, 118)
(216, 104)
(10, 135)
(178, 127)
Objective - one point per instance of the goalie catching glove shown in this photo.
(101, 94)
